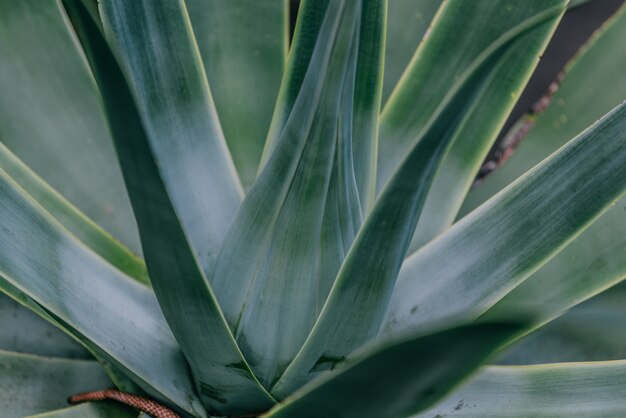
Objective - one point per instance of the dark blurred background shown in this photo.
(576, 27)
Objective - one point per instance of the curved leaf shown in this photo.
(509, 237)
(595, 260)
(359, 298)
(398, 380)
(51, 117)
(31, 384)
(71, 218)
(461, 32)
(68, 281)
(158, 187)
(244, 45)
(304, 209)
(552, 390)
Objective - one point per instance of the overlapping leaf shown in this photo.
(289, 237)
(595, 260)
(359, 298)
(401, 379)
(179, 180)
(511, 236)
(460, 33)
(67, 281)
(51, 118)
(71, 218)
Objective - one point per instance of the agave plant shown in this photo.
(232, 225)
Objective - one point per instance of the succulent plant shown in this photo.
(229, 224)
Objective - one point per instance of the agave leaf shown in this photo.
(399, 379)
(67, 281)
(91, 410)
(31, 384)
(591, 331)
(244, 45)
(367, 87)
(157, 46)
(509, 237)
(223, 378)
(551, 390)
(304, 208)
(360, 294)
(51, 117)
(71, 218)
(407, 23)
(595, 260)
(24, 332)
(463, 30)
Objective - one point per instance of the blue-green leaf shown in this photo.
(460, 33)
(397, 380)
(51, 117)
(509, 237)
(160, 182)
(288, 240)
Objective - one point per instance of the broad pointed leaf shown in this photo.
(67, 281)
(163, 168)
(461, 32)
(288, 239)
(358, 300)
(75, 221)
(31, 384)
(400, 379)
(51, 117)
(243, 44)
(509, 237)
(595, 260)
(546, 391)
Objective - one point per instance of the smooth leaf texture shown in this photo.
(51, 117)
(553, 390)
(367, 88)
(31, 384)
(595, 260)
(504, 241)
(67, 281)
(360, 295)
(71, 218)
(400, 379)
(157, 46)
(244, 45)
(407, 24)
(91, 410)
(461, 32)
(287, 241)
(24, 332)
(223, 379)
